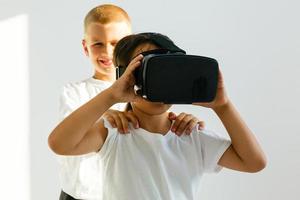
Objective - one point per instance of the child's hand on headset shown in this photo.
(221, 98)
(123, 88)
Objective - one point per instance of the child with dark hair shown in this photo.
(151, 163)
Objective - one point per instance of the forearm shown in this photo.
(73, 128)
(243, 140)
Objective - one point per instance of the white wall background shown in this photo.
(256, 43)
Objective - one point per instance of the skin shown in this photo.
(98, 44)
(245, 153)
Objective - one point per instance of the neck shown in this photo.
(146, 121)
(109, 78)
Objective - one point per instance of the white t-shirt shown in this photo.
(79, 174)
(148, 166)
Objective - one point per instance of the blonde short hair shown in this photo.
(105, 14)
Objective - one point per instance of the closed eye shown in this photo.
(98, 44)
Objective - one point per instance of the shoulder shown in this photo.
(74, 89)
(75, 85)
(207, 136)
(91, 86)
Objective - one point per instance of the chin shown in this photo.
(105, 69)
(152, 108)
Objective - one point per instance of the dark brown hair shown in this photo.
(126, 46)
(123, 52)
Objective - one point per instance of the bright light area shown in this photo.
(14, 108)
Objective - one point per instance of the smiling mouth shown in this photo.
(106, 63)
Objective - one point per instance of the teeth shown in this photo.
(109, 62)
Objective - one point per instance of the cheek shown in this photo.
(94, 51)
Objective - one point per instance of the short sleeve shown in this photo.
(211, 147)
(68, 102)
(109, 141)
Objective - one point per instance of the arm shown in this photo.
(244, 153)
(81, 132)
(80, 128)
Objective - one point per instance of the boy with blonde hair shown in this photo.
(104, 26)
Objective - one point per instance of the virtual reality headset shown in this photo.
(170, 76)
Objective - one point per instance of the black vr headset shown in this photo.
(170, 76)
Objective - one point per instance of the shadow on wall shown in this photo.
(14, 103)
(40, 51)
(27, 117)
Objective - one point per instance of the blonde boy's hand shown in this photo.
(221, 96)
(184, 123)
(120, 120)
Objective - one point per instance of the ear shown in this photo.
(85, 49)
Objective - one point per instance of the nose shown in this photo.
(109, 49)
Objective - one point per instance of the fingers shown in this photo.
(116, 120)
(134, 63)
(108, 115)
(172, 116)
(111, 121)
(190, 125)
(123, 123)
(185, 123)
(220, 79)
(123, 88)
(177, 122)
(201, 125)
(132, 118)
(120, 120)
